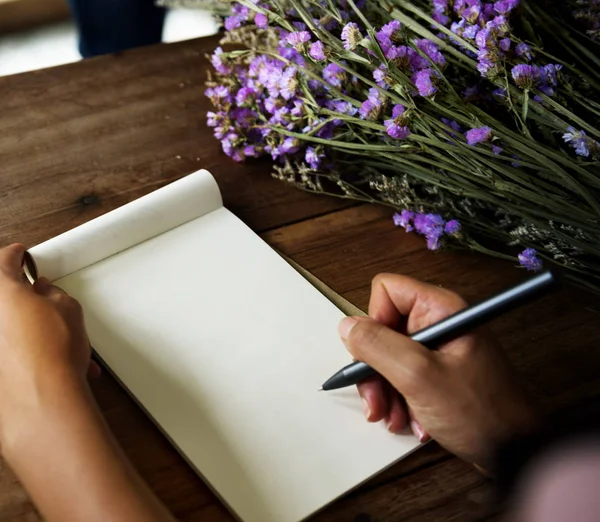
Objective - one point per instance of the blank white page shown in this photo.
(225, 345)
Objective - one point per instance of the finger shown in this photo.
(375, 399)
(397, 418)
(416, 427)
(394, 297)
(45, 288)
(11, 261)
(400, 360)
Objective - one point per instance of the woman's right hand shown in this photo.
(465, 395)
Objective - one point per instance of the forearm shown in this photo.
(67, 459)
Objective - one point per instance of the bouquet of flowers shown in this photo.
(477, 121)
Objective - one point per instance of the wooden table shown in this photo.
(79, 140)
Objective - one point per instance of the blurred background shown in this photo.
(42, 33)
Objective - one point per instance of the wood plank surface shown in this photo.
(80, 140)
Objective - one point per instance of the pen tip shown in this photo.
(320, 389)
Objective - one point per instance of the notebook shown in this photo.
(224, 345)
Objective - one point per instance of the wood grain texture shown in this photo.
(80, 140)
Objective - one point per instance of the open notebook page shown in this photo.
(224, 345)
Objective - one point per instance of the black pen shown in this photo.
(454, 325)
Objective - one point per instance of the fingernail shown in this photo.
(346, 326)
(389, 425)
(417, 430)
(366, 409)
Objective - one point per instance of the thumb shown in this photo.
(403, 362)
(11, 260)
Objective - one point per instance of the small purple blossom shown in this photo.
(317, 51)
(452, 227)
(379, 75)
(525, 76)
(342, 107)
(313, 158)
(298, 38)
(245, 96)
(470, 31)
(403, 219)
(530, 260)
(261, 20)
(431, 50)
(389, 35)
(351, 36)
(497, 150)
(432, 227)
(478, 135)
(523, 50)
(453, 125)
(369, 110)
(289, 83)
(219, 64)
(394, 127)
(578, 140)
(424, 81)
(471, 93)
(504, 7)
(334, 74)
(233, 22)
(505, 44)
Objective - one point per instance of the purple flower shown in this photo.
(220, 94)
(424, 80)
(379, 75)
(334, 74)
(453, 125)
(289, 146)
(497, 150)
(478, 135)
(240, 10)
(485, 63)
(523, 50)
(313, 158)
(401, 56)
(470, 31)
(218, 63)
(578, 140)
(376, 96)
(471, 14)
(530, 260)
(403, 219)
(233, 22)
(298, 109)
(298, 38)
(389, 34)
(394, 127)
(289, 83)
(452, 227)
(316, 51)
(250, 151)
(351, 36)
(525, 76)
(431, 50)
(261, 20)
(505, 44)
(471, 93)
(504, 7)
(342, 107)
(498, 24)
(369, 110)
(245, 95)
(440, 18)
(432, 227)
(484, 38)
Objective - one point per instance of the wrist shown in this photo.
(41, 401)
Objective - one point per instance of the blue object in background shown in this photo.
(108, 26)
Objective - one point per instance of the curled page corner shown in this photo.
(30, 267)
(149, 216)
